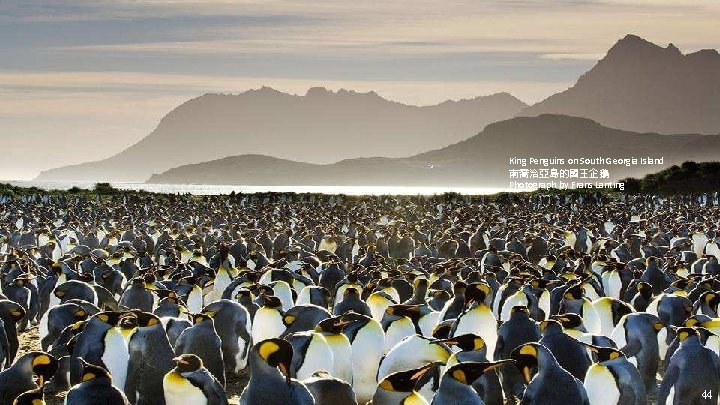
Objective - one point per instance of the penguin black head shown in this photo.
(277, 353)
(467, 342)
(187, 363)
(351, 291)
(111, 318)
(442, 330)
(603, 354)
(411, 311)
(145, 319)
(32, 397)
(526, 359)
(469, 371)
(92, 371)
(201, 317)
(684, 332)
(271, 301)
(568, 320)
(550, 326)
(244, 293)
(519, 309)
(12, 308)
(333, 325)
(405, 381)
(696, 320)
(44, 366)
(477, 292)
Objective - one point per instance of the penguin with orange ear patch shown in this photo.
(456, 386)
(612, 379)
(551, 384)
(21, 376)
(96, 388)
(202, 340)
(191, 383)
(10, 314)
(693, 372)
(270, 383)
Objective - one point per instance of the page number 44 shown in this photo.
(707, 394)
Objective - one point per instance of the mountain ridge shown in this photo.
(482, 160)
(321, 126)
(642, 87)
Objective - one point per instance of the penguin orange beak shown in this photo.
(285, 370)
(448, 341)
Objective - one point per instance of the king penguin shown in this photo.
(96, 388)
(691, 372)
(268, 322)
(202, 340)
(456, 385)
(21, 376)
(477, 317)
(612, 379)
(367, 340)
(270, 382)
(191, 383)
(551, 384)
(399, 388)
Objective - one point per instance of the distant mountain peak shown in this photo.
(643, 87)
(632, 48)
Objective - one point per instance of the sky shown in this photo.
(80, 80)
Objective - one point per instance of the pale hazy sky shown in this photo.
(82, 79)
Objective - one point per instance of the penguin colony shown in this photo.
(160, 299)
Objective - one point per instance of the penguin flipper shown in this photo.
(669, 379)
(209, 385)
(632, 348)
(498, 347)
(5, 346)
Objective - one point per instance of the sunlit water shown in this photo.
(200, 189)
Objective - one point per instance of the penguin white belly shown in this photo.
(116, 356)
(606, 318)
(699, 241)
(589, 292)
(662, 346)
(283, 292)
(428, 322)
(481, 322)
(392, 292)
(179, 391)
(318, 356)
(517, 299)
(544, 303)
(195, 300)
(241, 357)
(367, 350)
(612, 284)
(712, 249)
(601, 386)
(618, 333)
(591, 320)
(378, 304)
(222, 281)
(342, 355)
(713, 343)
(267, 324)
(304, 296)
(43, 327)
(412, 352)
(397, 331)
(671, 396)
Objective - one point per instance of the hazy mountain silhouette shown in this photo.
(321, 127)
(640, 86)
(481, 161)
